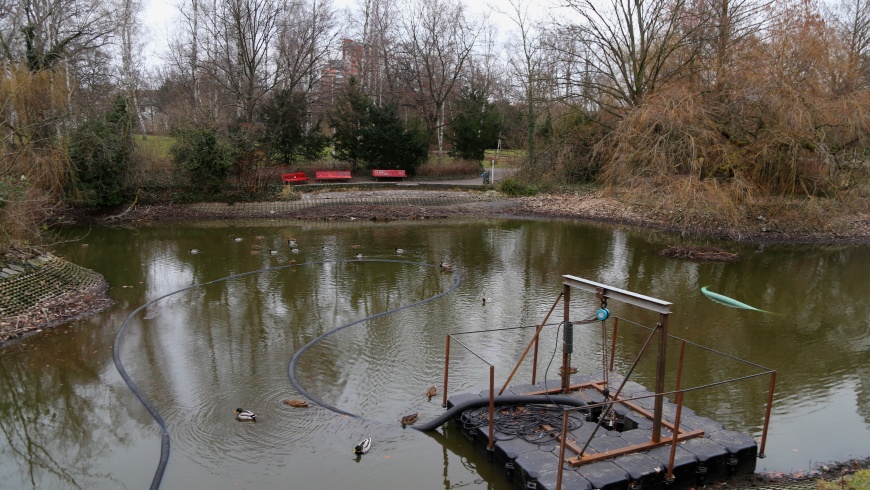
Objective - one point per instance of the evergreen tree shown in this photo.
(285, 116)
(100, 151)
(476, 125)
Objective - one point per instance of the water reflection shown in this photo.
(69, 420)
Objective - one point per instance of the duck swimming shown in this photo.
(296, 403)
(363, 446)
(445, 266)
(431, 391)
(193, 251)
(409, 419)
(245, 415)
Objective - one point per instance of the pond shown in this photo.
(69, 420)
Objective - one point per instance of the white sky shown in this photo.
(159, 17)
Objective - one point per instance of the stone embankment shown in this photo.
(39, 290)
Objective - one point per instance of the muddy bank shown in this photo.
(387, 205)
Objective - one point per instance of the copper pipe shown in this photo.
(491, 445)
(767, 413)
(680, 365)
(446, 365)
(566, 357)
(562, 449)
(613, 342)
(534, 342)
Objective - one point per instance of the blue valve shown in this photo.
(603, 314)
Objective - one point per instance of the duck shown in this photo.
(245, 415)
(294, 250)
(237, 239)
(273, 252)
(193, 251)
(292, 261)
(363, 446)
(359, 256)
(484, 300)
(431, 391)
(409, 419)
(296, 403)
(400, 250)
(445, 266)
(291, 243)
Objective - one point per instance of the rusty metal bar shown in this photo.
(618, 391)
(662, 329)
(767, 413)
(535, 342)
(446, 366)
(562, 443)
(613, 342)
(491, 444)
(679, 400)
(646, 446)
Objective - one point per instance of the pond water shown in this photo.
(70, 421)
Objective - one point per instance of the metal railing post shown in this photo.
(767, 413)
(491, 444)
(446, 366)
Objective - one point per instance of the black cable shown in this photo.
(291, 369)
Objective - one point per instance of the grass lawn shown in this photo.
(155, 146)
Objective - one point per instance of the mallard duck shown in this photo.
(409, 419)
(237, 239)
(484, 300)
(363, 446)
(431, 391)
(273, 252)
(245, 415)
(296, 403)
(294, 250)
(292, 261)
(291, 243)
(400, 250)
(445, 266)
(193, 251)
(359, 256)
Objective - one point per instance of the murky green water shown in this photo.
(68, 419)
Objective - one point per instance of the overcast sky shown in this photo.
(159, 16)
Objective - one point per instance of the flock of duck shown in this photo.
(255, 249)
(364, 445)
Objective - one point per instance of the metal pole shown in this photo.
(662, 328)
(676, 433)
(491, 444)
(535, 343)
(767, 413)
(566, 354)
(446, 365)
(613, 342)
(562, 449)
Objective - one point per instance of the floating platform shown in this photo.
(529, 456)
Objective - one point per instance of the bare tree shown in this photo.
(633, 45)
(129, 27)
(851, 20)
(374, 22)
(240, 59)
(436, 42)
(527, 63)
(306, 34)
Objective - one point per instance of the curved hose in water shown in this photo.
(291, 369)
(165, 437)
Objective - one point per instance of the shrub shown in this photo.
(203, 158)
(514, 187)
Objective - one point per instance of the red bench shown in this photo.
(294, 178)
(332, 175)
(389, 174)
